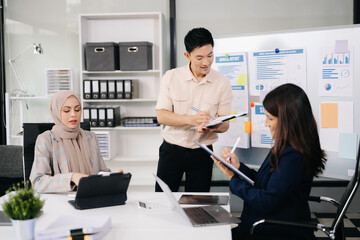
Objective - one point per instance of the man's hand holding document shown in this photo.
(227, 164)
(222, 119)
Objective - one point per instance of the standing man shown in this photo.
(194, 86)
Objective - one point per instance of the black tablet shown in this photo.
(101, 191)
(204, 199)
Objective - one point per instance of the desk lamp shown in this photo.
(37, 49)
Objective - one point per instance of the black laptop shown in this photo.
(101, 191)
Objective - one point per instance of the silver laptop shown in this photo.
(198, 216)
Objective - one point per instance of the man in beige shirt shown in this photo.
(194, 86)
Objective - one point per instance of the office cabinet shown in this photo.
(134, 149)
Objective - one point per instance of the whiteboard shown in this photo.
(313, 40)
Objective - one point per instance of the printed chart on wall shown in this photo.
(234, 67)
(260, 135)
(271, 68)
(337, 70)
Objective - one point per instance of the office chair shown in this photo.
(31, 132)
(336, 231)
(11, 166)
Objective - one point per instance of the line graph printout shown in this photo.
(269, 69)
(336, 73)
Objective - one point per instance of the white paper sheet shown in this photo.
(271, 68)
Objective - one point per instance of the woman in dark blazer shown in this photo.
(283, 182)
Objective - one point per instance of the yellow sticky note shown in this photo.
(242, 79)
(247, 127)
(232, 113)
(329, 115)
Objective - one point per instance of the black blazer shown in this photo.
(282, 195)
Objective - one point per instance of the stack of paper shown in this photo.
(94, 227)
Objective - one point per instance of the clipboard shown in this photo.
(222, 119)
(231, 167)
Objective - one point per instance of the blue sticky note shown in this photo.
(348, 145)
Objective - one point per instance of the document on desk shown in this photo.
(222, 119)
(4, 221)
(94, 227)
(242, 175)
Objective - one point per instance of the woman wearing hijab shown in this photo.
(65, 153)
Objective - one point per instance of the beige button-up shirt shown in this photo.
(179, 91)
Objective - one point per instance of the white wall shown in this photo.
(54, 23)
(234, 17)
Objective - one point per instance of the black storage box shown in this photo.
(102, 56)
(135, 56)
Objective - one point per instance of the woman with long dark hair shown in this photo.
(283, 182)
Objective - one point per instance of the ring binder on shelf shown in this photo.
(95, 89)
(111, 89)
(102, 117)
(86, 115)
(94, 117)
(87, 89)
(113, 117)
(130, 89)
(119, 89)
(103, 89)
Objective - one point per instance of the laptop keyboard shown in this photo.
(199, 215)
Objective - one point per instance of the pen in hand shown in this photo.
(233, 149)
(198, 110)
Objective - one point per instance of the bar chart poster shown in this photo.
(260, 135)
(336, 73)
(272, 68)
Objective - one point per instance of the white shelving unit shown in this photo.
(14, 121)
(135, 149)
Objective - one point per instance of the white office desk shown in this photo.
(129, 221)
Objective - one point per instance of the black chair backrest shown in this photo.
(11, 166)
(31, 132)
(348, 194)
(11, 161)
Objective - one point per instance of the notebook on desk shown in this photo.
(198, 216)
(101, 191)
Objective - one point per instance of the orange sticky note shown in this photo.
(329, 115)
(247, 127)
